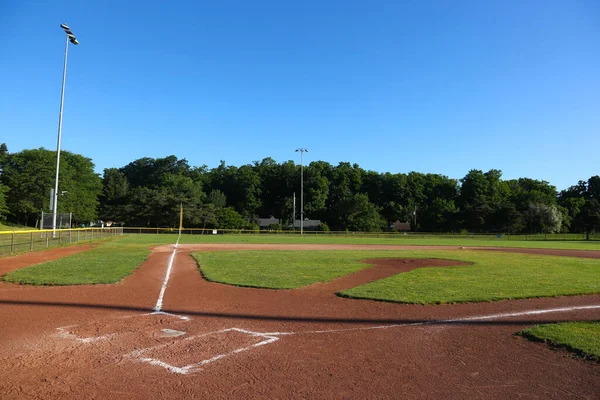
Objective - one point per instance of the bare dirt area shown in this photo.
(219, 341)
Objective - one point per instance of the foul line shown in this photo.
(445, 321)
(159, 302)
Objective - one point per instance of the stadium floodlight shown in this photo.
(301, 151)
(70, 37)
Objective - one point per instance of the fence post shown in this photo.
(69, 235)
(12, 242)
(59, 237)
(47, 240)
(31, 243)
(78, 235)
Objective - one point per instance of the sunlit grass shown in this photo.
(165, 238)
(492, 276)
(108, 263)
(582, 338)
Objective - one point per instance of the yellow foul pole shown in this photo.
(180, 217)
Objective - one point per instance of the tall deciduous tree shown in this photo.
(588, 218)
(3, 207)
(29, 175)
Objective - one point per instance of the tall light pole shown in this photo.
(302, 151)
(70, 37)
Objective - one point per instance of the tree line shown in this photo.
(148, 192)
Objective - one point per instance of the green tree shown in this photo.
(113, 199)
(481, 198)
(149, 192)
(228, 218)
(359, 214)
(588, 218)
(511, 219)
(217, 199)
(544, 218)
(316, 189)
(29, 175)
(247, 183)
(3, 207)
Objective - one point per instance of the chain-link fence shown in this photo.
(24, 241)
(391, 235)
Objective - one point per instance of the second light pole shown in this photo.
(301, 151)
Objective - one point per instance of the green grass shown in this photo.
(12, 227)
(275, 269)
(582, 338)
(333, 239)
(491, 277)
(107, 263)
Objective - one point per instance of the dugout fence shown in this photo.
(14, 242)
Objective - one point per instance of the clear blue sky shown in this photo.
(429, 86)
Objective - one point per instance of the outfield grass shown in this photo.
(12, 227)
(582, 338)
(108, 263)
(493, 276)
(387, 240)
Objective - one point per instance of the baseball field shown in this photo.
(200, 316)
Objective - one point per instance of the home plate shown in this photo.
(188, 355)
(166, 333)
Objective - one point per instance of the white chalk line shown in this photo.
(65, 334)
(138, 354)
(447, 321)
(182, 317)
(271, 337)
(65, 331)
(159, 302)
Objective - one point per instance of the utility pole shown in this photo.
(294, 214)
(301, 151)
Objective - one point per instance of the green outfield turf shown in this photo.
(384, 239)
(493, 276)
(582, 338)
(108, 263)
(12, 227)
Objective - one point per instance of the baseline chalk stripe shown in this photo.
(65, 334)
(182, 317)
(159, 302)
(139, 354)
(454, 320)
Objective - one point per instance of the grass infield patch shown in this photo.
(582, 338)
(275, 269)
(108, 263)
(492, 276)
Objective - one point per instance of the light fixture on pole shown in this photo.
(302, 151)
(70, 37)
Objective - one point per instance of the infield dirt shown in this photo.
(325, 347)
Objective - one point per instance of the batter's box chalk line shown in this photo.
(141, 355)
(65, 332)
